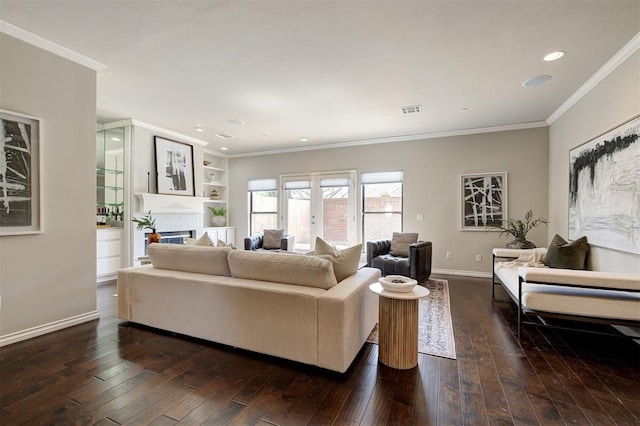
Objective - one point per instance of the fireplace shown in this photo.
(171, 237)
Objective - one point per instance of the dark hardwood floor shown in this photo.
(109, 372)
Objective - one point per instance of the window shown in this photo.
(381, 205)
(263, 205)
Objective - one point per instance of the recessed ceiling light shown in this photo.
(536, 81)
(199, 129)
(116, 139)
(224, 148)
(236, 122)
(554, 56)
(224, 135)
(304, 140)
(465, 109)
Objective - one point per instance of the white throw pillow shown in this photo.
(204, 241)
(223, 244)
(272, 238)
(345, 262)
(400, 243)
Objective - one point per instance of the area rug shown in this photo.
(435, 328)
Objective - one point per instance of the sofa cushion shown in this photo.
(400, 243)
(345, 262)
(198, 259)
(272, 238)
(309, 271)
(564, 255)
(204, 241)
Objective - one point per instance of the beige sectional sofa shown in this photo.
(582, 295)
(284, 305)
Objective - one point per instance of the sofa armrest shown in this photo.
(288, 243)
(580, 278)
(253, 242)
(376, 248)
(420, 254)
(515, 253)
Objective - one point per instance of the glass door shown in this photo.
(320, 205)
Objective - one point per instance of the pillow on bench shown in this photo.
(564, 255)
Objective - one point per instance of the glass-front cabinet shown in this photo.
(110, 202)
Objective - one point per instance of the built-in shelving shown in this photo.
(214, 184)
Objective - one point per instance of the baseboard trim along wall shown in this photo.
(29, 333)
(473, 274)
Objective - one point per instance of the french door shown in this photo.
(320, 205)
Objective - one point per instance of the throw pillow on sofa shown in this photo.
(400, 243)
(345, 262)
(564, 255)
(203, 241)
(223, 244)
(272, 238)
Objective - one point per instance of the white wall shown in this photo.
(51, 276)
(612, 102)
(432, 171)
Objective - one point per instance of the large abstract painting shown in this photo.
(19, 174)
(484, 200)
(604, 189)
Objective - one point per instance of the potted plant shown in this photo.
(147, 222)
(519, 230)
(219, 216)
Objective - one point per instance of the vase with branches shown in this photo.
(519, 229)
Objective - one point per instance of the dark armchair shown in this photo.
(417, 265)
(254, 242)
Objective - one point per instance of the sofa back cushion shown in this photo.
(198, 259)
(283, 268)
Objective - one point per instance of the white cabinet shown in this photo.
(226, 234)
(109, 253)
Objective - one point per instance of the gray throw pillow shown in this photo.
(400, 243)
(272, 238)
(564, 255)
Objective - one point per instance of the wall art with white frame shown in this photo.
(20, 175)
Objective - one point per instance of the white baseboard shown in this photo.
(473, 274)
(39, 330)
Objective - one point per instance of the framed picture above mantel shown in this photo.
(20, 177)
(174, 167)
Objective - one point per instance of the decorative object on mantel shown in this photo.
(519, 230)
(214, 194)
(206, 162)
(148, 222)
(219, 216)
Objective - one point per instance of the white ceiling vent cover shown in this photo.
(411, 109)
(224, 135)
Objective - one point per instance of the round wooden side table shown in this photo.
(398, 326)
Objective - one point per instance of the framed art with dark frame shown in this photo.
(20, 174)
(604, 189)
(174, 167)
(483, 201)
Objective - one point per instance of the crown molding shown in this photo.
(403, 138)
(623, 54)
(157, 129)
(49, 46)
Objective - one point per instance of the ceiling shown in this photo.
(331, 72)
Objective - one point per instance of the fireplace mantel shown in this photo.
(171, 204)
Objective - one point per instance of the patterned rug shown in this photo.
(435, 328)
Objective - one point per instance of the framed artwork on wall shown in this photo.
(483, 200)
(20, 174)
(174, 167)
(604, 189)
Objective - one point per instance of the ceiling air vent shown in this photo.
(224, 135)
(411, 109)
